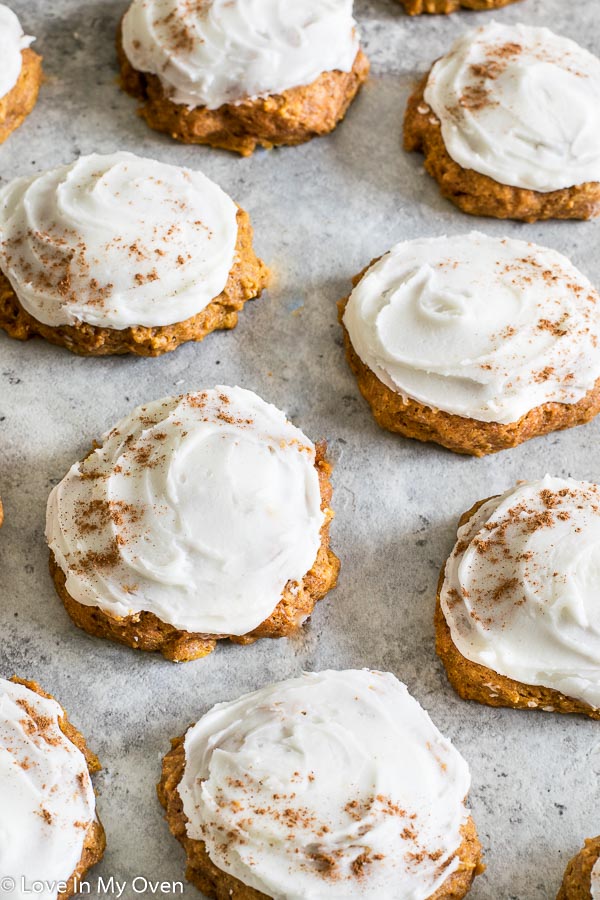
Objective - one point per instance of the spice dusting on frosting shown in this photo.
(288, 789)
(477, 94)
(208, 53)
(178, 26)
(521, 105)
(520, 591)
(199, 509)
(48, 800)
(477, 327)
(116, 241)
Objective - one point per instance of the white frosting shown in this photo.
(331, 785)
(12, 42)
(595, 881)
(212, 52)
(116, 241)
(198, 509)
(520, 104)
(48, 801)
(477, 326)
(522, 587)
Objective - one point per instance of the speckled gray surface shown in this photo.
(320, 213)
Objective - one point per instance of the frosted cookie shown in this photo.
(509, 123)
(50, 829)
(198, 518)
(239, 74)
(331, 785)
(517, 621)
(120, 254)
(582, 875)
(417, 7)
(20, 73)
(474, 342)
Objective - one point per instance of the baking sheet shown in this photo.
(320, 213)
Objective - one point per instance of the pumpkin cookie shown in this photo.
(229, 74)
(517, 612)
(417, 7)
(20, 73)
(273, 795)
(198, 518)
(120, 254)
(509, 124)
(473, 342)
(582, 875)
(51, 831)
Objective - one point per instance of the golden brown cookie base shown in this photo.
(417, 7)
(144, 631)
(95, 840)
(292, 117)
(214, 882)
(18, 103)
(246, 281)
(472, 681)
(576, 883)
(480, 195)
(468, 436)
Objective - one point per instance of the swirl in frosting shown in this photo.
(48, 801)
(477, 326)
(522, 586)
(12, 42)
(331, 785)
(199, 509)
(116, 241)
(211, 52)
(521, 105)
